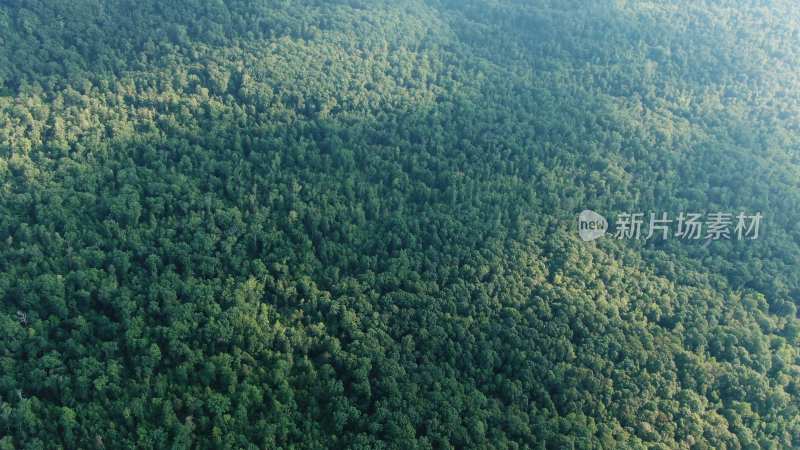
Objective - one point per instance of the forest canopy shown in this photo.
(351, 224)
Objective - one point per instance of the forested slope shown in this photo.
(351, 224)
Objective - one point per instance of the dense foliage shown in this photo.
(350, 224)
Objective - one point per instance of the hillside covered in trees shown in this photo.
(350, 224)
